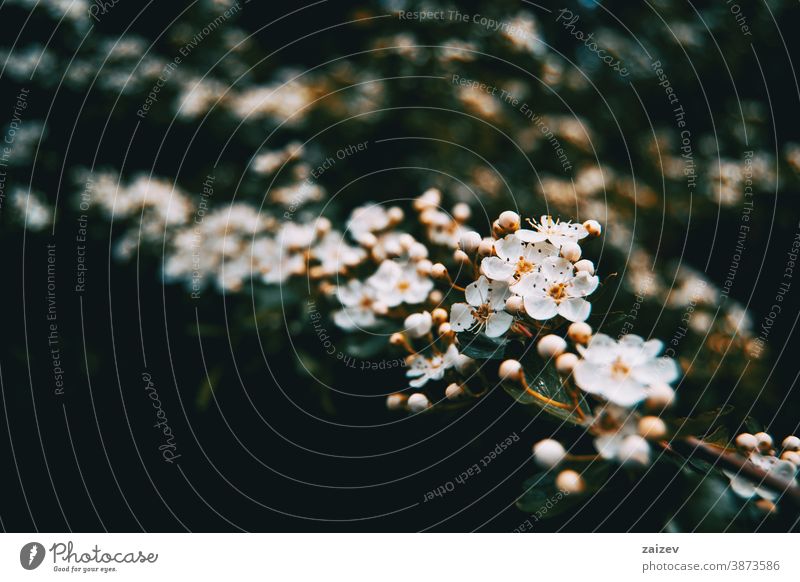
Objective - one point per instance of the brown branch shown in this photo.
(694, 447)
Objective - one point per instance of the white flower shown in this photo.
(358, 299)
(398, 284)
(367, 219)
(515, 259)
(556, 232)
(556, 290)
(334, 254)
(621, 371)
(423, 368)
(773, 466)
(484, 309)
(294, 236)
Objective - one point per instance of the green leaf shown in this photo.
(482, 347)
(703, 423)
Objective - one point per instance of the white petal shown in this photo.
(498, 323)
(557, 268)
(540, 308)
(497, 269)
(530, 284)
(591, 377)
(583, 284)
(477, 292)
(536, 253)
(497, 293)
(461, 318)
(509, 248)
(575, 309)
(625, 393)
(530, 236)
(608, 444)
(656, 370)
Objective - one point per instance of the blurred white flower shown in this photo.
(398, 284)
(773, 466)
(555, 231)
(358, 300)
(515, 259)
(423, 369)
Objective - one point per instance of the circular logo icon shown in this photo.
(31, 555)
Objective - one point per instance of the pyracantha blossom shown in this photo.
(335, 255)
(366, 220)
(616, 435)
(400, 283)
(359, 300)
(515, 258)
(621, 370)
(557, 232)
(274, 263)
(484, 309)
(555, 289)
(423, 368)
(746, 488)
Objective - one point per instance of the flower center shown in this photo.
(558, 291)
(403, 285)
(524, 266)
(482, 313)
(619, 369)
(366, 302)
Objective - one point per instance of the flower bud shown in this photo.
(397, 339)
(439, 271)
(435, 297)
(593, 227)
(659, 396)
(652, 427)
(634, 450)
(791, 443)
(792, 456)
(565, 363)
(469, 242)
(431, 198)
(323, 225)
(445, 329)
(551, 346)
(406, 240)
(509, 221)
(570, 482)
(510, 370)
(453, 391)
(418, 402)
(424, 267)
(585, 265)
(439, 315)
(418, 324)
(367, 240)
(571, 251)
(764, 441)
(515, 304)
(486, 248)
(461, 257)
(395, 214)
(766, 506)
(380, 308)
(548, 453)
(396, 401)
(746, 442)
(417, 252)
(461, 212)
(580, 332)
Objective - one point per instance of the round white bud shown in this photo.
(406, 240)
(585, 265)
(510, 370)
(323, 225)
(418, 324)
(453, 391)
(439, 315)
(515, 304)
(659, 396)
(593, 227)
(746, 442)
(460, 256)
(396, 401)
(424, 267)
(570, 481)
(551, 346)
(652, 427)
(571, 251)
(579, 332)
(431, 198)
(791, 443)
(486, 248)
(509, 221)
(469, 242)
(417, 252)
(764, 441)
(435, 297)
(565, 363)
(462, 212)
(548, 453)
(766, 506)
(792, 456)
(445, 329)
(418, 402)
(397, 339)
(367, 240)
(439, 271)
(634, 450)
(395, 214)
